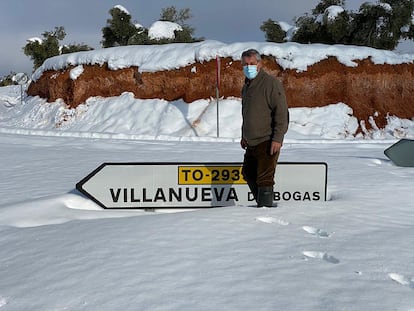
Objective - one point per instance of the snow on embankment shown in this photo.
(374, 83)
(152, 58)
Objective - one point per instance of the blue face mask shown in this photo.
(250, 71)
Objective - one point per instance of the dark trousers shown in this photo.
(259, 166)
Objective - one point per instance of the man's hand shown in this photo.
(243, 143)
(275, 147)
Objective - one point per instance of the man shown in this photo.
(265, 122)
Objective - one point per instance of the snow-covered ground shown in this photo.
(60, 251)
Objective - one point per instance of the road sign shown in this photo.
(20, 78)
(195, 185)
(401, 153)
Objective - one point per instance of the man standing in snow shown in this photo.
(265, 122)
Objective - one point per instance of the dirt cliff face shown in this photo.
(370, 90)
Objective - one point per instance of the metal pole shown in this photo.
(21, 94)
(218, 92)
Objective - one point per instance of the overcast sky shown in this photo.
(223, 20)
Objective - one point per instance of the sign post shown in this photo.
(218, 92)
(195, 185)
(21, 78)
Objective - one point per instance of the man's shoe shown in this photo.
(265, 197)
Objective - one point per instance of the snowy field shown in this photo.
(60, 251)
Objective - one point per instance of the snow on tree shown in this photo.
(163, 30)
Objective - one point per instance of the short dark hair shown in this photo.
(252, 52)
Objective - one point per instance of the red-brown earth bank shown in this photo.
(371, 90)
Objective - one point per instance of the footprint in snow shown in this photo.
(401, 279)
(376, 162)
(272, 220)
(315, 231)
(321, 255)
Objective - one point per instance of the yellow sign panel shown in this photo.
(210, 175)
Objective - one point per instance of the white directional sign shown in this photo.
(190, 185)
